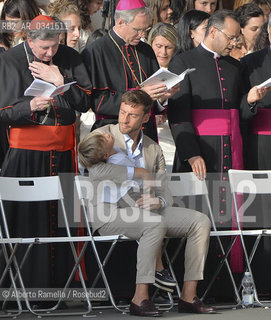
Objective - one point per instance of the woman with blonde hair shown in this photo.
(70, 14)
(163, 39)
(239, 3)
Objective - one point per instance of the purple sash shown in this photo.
(224, 123)
(261, 123)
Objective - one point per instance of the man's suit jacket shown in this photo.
(154, 162)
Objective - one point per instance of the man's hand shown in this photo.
(148, 201)
(47, 73)
(256, 94)
(161, 118)
(40, 103)
(155, 91)
(198, 166)
(147, 178)
(169, 93)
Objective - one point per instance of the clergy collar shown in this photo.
(118, 38)
(215, 55)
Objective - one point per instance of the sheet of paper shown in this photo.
(169, 78)
(40, 88)
(266, 83)
(61, 89)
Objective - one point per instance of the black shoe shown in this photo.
(146, 309)
(164, 278)
(197, 306)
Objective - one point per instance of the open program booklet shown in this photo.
(266, 83)
(40, 88)
(170, 79)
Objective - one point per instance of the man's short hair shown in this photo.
(129, 15)
(45, 30)
(138, 97)
(248, 11)
(217, 19)
(91, 149)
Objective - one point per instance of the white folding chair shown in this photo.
(251, 183)
(83, 186)
(35, 190)
(8, 259)
(187, 184)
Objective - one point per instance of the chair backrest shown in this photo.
(85, 192)
(30, 189)
(249, 181)
(84, 187)
(190, 185)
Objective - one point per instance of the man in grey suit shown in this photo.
(148, 217)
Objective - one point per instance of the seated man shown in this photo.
(96, 147)
(147, 217)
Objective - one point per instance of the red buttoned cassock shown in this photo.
(41, 144)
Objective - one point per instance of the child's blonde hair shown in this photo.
(92, 149)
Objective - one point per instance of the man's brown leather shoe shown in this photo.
(146, 309)
(197, 306)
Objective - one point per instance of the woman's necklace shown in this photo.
(139, 66)
(49, 108)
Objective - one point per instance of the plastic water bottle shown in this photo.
(248, 291)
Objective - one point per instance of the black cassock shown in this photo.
(46, 266)
(257, 69)
(111, 76)
(216, 84)
(214, 88)
(3, 135)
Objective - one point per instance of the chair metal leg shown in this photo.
(225, 256)
(221, 263)
(102, 273)
(8, 260)
(101, 265)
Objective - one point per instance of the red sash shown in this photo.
(42, 138)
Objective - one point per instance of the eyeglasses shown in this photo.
(140, 31)
(237, 39)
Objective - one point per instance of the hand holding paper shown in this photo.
(266, 83)
(170, 79)
(255, 93)
(39, 103)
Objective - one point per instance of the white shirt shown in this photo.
(112, 193)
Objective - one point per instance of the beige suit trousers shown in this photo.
(150, 229)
